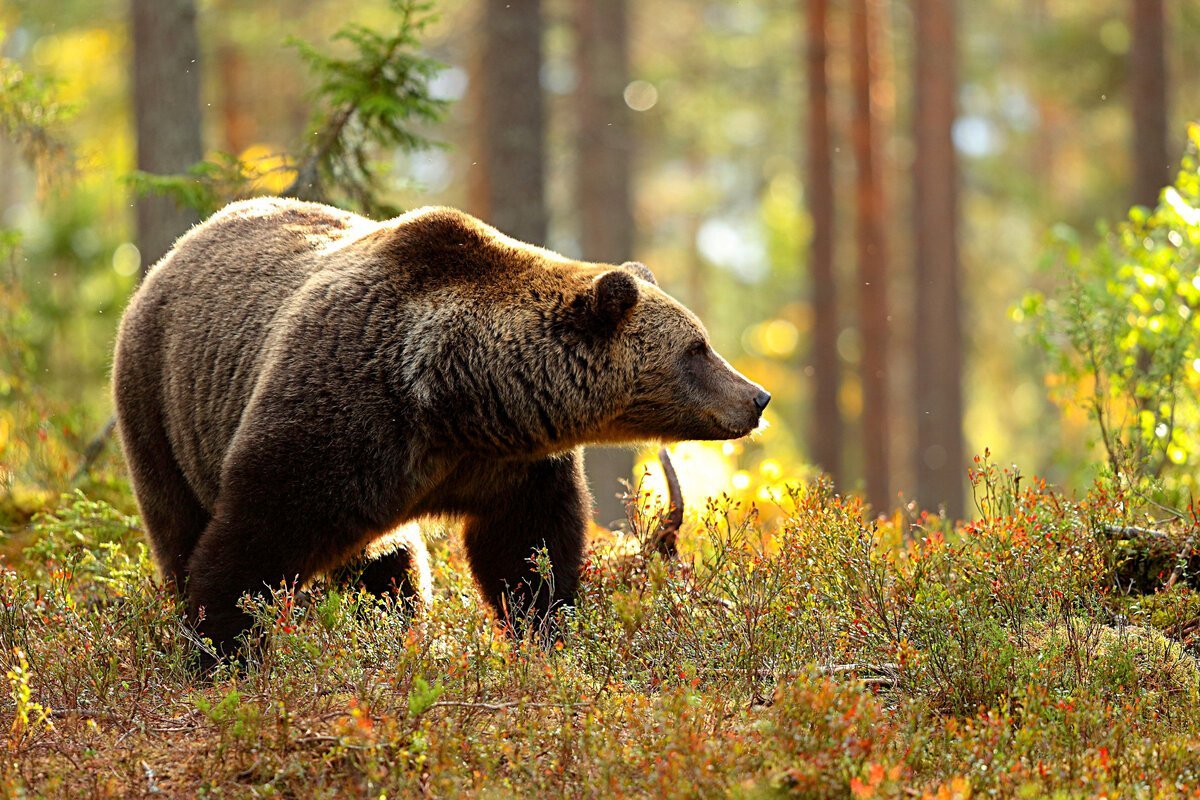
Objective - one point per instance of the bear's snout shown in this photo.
(736, 403)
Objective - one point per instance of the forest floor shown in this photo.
(811, 651)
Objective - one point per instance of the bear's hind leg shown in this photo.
(171, 513)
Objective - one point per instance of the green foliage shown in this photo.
(92, 539)
(31, 116)
(234, 718)
(37, 433)
(209, 185)
(372, 101)
(1123, 334)
(422, 696)
(32, 444)
(369, 104)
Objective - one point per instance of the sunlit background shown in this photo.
(717, 94)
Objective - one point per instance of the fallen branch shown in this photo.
(1145, 560)
(667, 537)
(87, 713)
(94, 448)
(505, 705)
(883, 675)
(838, 669)
(1131, 532)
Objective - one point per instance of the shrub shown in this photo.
(1123, 334)
(832, 654)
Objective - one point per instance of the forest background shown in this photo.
(728, 145)
(948, 236)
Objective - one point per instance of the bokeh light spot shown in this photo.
(126, 260)
(641, 95)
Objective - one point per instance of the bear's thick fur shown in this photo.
(294, 384)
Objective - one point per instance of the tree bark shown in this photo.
(825, 430)
(938, 386)
(603, 188)
(167, 114)
(1152, 167)
(872, 257)
(508, 189)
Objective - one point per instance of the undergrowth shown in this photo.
(827, 655)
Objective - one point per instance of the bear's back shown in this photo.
(207, 310)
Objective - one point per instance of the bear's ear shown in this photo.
(641, 270)
(614, 294)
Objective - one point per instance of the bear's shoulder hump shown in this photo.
(283, 210)
(450, 243)
(436, 227)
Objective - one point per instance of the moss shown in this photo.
(1081, 655)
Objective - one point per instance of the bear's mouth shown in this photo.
(725, 430)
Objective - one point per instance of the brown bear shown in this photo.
(293, 383)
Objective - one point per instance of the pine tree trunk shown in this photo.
(237, 123)
(938, 387)
(826, 423)
(872, 258)
(1148, 97)
(604, 200)
(507, 187)
(167, 114)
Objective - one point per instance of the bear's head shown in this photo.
(515, 350)
(679, 388)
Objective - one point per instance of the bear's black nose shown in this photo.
(761, 399)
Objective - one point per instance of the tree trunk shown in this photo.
(1152, 167)
(826, 423)
(938, 387)
(872, 258)
(8, 178)
(237, 124)
(604, 150)
(1044, 153)
(507, 187)
(167, 115)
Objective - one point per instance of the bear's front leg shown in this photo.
(539, 504)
